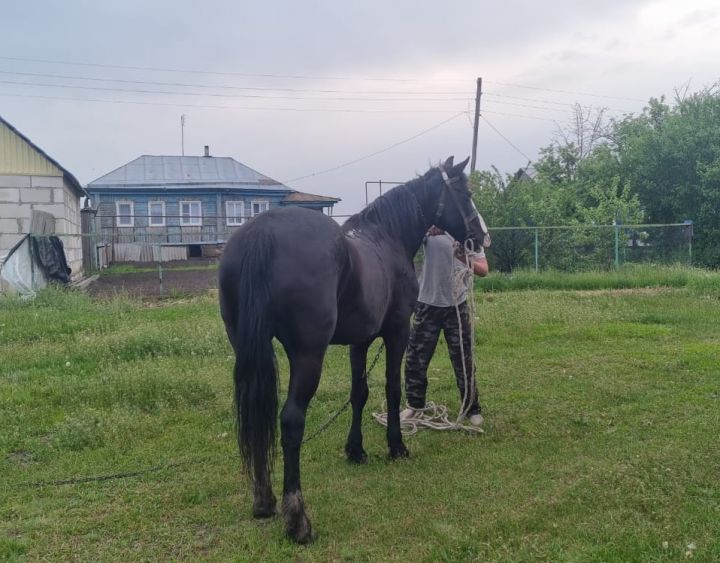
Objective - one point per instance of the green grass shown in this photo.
(602, 412)
(124, 269)
(630, 276)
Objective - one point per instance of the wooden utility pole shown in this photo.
(478, 94)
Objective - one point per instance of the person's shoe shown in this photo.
(476, 420)
(409, 413)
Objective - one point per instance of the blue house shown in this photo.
(179, 207)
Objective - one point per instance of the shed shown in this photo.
(30, 182)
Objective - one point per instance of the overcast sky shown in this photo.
(327, 95)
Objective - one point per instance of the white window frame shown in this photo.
(229, 217)
(120, 218)
(191, 221)
(262, 202)
(150, 215)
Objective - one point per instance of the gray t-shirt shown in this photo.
(442, 273)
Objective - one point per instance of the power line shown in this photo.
(467, 95)
(216, 95)
(544, 101)
(258, 96)
(506, 114)
(508, 141)
(566, 110)
(233, 87)
(544, 108)
(211, 106)
(209, 72)
(574, 92)
(303, 77)
(355, 161)
(265, 97)
(261, 108)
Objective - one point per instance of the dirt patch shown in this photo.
(175, 282)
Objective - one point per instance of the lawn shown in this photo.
(602, 420)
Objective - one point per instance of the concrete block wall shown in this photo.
(71, 224)
(20, 195)
(14, 215)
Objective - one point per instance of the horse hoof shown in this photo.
(355, 455)
(301, 532)
(263, 510)
(399, 452)
(299, 529)
(264, 503)
(297, 524)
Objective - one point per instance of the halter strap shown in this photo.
(441, 204)
(447, 186)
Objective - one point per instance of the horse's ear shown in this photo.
(448, 163)
(458, 168)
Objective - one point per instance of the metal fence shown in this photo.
(565, 247)
(590, 247)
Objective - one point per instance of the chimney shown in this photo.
(207, 150)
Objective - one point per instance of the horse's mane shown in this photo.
(396, 213)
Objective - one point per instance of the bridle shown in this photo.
(467, 218)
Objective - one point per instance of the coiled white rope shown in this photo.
(432, 416)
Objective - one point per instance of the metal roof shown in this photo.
(300, 197)
(186, 171)
(66, 174)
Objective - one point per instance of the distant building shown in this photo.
(526, 174)
(179, 207)
(31, 182)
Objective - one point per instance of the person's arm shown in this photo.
(480, 265)
(478, 261)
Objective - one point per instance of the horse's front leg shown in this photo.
(395, 343)
(305, 369)
(358, 397)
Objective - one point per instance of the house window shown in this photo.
(125, 213)
(190, 213)
(259, 205)
(156, 214)
(235, 212)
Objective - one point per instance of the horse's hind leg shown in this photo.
(358, 397)
(264, 500)
(305, 368)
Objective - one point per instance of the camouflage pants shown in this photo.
(427, 324)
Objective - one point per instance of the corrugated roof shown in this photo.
(150, 170)
(66, 174)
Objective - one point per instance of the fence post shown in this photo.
(689, 234)
(536, 250)
(160, 272)
(617, 244)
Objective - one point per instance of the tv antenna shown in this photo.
(183, 119)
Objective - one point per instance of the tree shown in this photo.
(670, 156)
(662, 166)
(503, 202)
(574, 142)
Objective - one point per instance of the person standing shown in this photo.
(444, 283)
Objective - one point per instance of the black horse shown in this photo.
(294, 274)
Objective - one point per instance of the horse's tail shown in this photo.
(255, 372)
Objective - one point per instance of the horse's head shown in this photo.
(456, 213)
